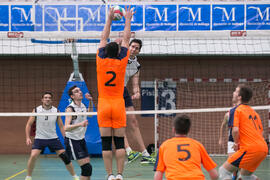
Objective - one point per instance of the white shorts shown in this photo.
(230, 147)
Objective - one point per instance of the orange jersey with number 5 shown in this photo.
(111, 73)
(181, 158)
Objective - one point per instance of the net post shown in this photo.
(156, 115)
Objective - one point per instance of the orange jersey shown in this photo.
(250, 128)
(111, 74)
(181, 158)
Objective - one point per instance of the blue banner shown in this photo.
(258, 17)
(194, 17)
(148, 17)
(4, 20)
(160, 17)
(228, 17)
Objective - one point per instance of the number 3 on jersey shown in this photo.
(185, 151)
(110, 82)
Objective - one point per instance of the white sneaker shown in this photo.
(28, 178)
(119, 177)
(76, 177)
(111, 177)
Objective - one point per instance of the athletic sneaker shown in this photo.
(76, 177)
(28, 178)
(119, 177)
(148, 160)
(111, 177)
(133, 155)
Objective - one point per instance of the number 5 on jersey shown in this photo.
(180, 148)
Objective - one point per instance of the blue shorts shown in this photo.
(76, 149)
(52, 144)
(128, 101)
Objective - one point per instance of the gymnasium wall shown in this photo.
(23, 79)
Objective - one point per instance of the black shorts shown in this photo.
(52, 144)
(128, 101)
(76, 149)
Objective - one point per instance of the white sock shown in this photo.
(145, 153)
(75, 175)
(128, 150)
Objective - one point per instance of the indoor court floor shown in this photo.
(13, 167)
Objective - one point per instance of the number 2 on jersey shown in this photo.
(109, 83)
(180, 149)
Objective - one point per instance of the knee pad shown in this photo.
(119, 142)
(252, 177)
(65, 158)
(86, 169)
(106, 143)
(224, 173)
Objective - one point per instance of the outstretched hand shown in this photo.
(129, 12)
(111, 14)
(88, 96)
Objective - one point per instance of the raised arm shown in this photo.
(107, 29)
(221, 130)
(90, 107)
(30, 121)
(136, 87)
(127, 30)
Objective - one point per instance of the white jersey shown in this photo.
(79, 132)
(133, 67)
(46, 125)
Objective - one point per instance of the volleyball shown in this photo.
(118, 12)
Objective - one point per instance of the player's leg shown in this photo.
(55, 145)
(86, 168)
(77, 150)
(134, 131)
(65, 158)
(247, 175)
(31, 162)
(230, 152)
(132, 155)
(118, 137)
(106, 137)
(119, 126)
(105, 128)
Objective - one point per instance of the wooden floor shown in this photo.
(13, 167)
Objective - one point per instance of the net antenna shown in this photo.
(76, 75)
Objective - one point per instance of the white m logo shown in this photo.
(157, 13)
(57, 13)
(92, 15)
(260, 14)
(24, 16)
(226, 15)
(192, 15)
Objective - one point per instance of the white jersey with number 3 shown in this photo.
(46, 125)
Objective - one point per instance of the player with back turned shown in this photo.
(247, 130)
(111, 61)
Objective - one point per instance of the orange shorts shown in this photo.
(248, 160)
(111, 113)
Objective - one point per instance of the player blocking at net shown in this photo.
(46, 135)
(181, 157)
(111, 61)
(247, 130)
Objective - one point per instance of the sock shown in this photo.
(145, 153)
(128, 150)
